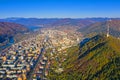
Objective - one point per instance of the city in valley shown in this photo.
(60, 40)
(31, 58)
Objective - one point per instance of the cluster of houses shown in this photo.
(61, 39)
(26, 59)
(41, 70)
(21, 58)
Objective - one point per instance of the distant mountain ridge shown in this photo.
(49, 22)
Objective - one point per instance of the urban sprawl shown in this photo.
(28, 59)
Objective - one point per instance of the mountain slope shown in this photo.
(8, 29)
(11, 28)
(71, 24)
(101, 27)
(96, 59)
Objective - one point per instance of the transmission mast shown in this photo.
(108, 28)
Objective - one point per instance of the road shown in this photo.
(42, 51)
(29, 76)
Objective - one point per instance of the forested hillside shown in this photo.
(97, 58)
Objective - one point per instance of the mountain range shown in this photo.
(86, 25)
(48, 22)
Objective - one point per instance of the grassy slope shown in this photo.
(98, 59)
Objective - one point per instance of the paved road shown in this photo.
(29, 77)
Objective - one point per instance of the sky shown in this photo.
(59, 8)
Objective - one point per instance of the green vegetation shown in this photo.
(97, 59)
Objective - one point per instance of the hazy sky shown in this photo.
(59, 8)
